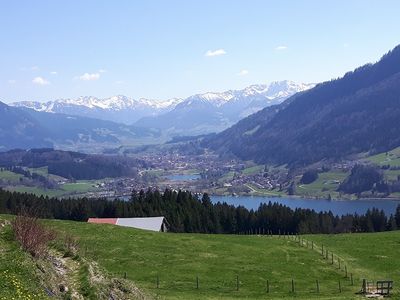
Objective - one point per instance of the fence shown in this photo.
(347, 281)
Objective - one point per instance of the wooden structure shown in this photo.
(381, 287)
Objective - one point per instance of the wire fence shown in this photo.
(347, 281)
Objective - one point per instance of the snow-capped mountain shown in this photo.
(213, 112)
(197, 114)
(116, 108)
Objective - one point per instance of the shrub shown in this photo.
(309, 177)
(31, 234)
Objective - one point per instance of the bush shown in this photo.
(309, 177)
(362, 178)
(31, 234)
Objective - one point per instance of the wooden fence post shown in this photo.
(317, 286)
(345, 271)
(237, 282)
(340, 287)
(322, 251)
(332, 258)
(158, 281)
(197, 282)
(267, 286)
(124, 275)
(364, 286)
(292, 286)
(351, 278)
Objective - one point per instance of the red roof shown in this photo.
(103, 221)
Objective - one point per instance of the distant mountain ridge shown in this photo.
(359, 112)
(213, 111)
(26, 128)
(118, 108)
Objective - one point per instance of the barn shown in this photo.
(148, 223)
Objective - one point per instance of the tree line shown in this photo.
(187, 212)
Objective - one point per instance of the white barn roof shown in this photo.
(150, 223)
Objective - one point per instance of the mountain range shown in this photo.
(213, 112)
(357, 113)
(26, 128)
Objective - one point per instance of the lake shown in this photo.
(341, 207)
(183, 177)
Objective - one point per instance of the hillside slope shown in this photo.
(178, 261)
(356, 113)
(20, 130)
(26, 128)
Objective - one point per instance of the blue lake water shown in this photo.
(341, 207)
(183, 177)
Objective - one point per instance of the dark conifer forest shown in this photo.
(186, 212)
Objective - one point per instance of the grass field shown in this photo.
(227, 177)
(327, 183)
(374, 256)
(391, 158)
(81, 186)
(177, 260)
(10, 176)
(253, 170)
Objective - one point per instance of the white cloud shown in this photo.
(53, 72)
(40, 81)
(217, 52)
(102, 71)
(243, 73)
(280, 48)
(11, 81)
(89, 76)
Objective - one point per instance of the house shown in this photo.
(148, 223)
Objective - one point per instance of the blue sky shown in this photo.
(164, 49)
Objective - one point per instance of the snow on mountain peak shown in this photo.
(120, 108)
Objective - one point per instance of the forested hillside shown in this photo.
(356, 113)
(72, 165)
(26, 128)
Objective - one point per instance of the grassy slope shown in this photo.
(391, 158)
(216, 259)
(81, 186)
(178, 258)
(11, 176)
(374, 256)
(327, 183)
(387, 158)
(17, 271)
